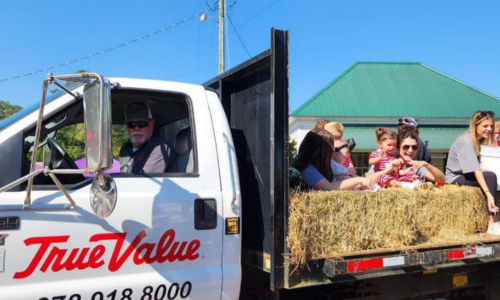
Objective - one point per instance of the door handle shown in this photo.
(205, 214)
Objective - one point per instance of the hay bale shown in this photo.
(448, 214)
(326, 224)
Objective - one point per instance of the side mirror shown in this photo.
(103, 195)
(97, 111)
(97, 116)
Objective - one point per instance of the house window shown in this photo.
(360, 162)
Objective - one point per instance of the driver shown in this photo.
(144, 152)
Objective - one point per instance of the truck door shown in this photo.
(164, 238)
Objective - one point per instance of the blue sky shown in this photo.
(459, 38)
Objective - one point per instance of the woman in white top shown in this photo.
(463, 163)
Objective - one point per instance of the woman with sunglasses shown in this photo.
(463, 163)
(314, 162)
(408, 145)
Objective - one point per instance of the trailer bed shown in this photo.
(479, 238)
(423, 258)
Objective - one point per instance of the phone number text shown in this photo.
(160, 292)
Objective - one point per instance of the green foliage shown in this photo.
(7, 109)
(119, 137)
(295, 181)
(72, 139)
(294, 178)
(292, 151)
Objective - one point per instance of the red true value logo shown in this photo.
(167, 249)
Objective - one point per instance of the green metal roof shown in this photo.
(396, 89)
(437, 138)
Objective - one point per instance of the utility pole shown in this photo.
(204, 17)
(221, 36)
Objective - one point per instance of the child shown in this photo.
(340, 172)
(383, 158)
(337, 130)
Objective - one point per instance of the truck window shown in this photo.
(63, 136)
(170, 131)
(173, 124)
(180, 133)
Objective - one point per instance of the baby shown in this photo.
(337, 130)
(383, 158)
(340, 172)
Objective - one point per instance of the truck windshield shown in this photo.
(32, 107)
(26, 111)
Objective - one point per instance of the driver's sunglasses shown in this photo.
(140, 124)
(485, 113)
(406, 147)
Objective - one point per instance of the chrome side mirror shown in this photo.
(97, 107)
(97, 113)
(103, 195)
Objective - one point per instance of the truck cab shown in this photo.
(170, 235)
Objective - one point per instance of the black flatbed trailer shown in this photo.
(255, 99)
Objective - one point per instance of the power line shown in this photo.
(256, 15)
(109, 49)
(213, 7)
(237, 34)
(232, 4)
(191, 72)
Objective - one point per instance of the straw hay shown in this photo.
(326, 224)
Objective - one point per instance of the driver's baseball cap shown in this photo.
(138, 111)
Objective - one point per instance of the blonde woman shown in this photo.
(463, 163)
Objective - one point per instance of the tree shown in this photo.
(7, 109)
(72, 139)
(294, 178)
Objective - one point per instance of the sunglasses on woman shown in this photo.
(406, 147)
(485, 113)
(140, 124)
(337, 149)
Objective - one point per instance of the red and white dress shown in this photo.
(384, 179)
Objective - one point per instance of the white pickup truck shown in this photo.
(214, 231)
